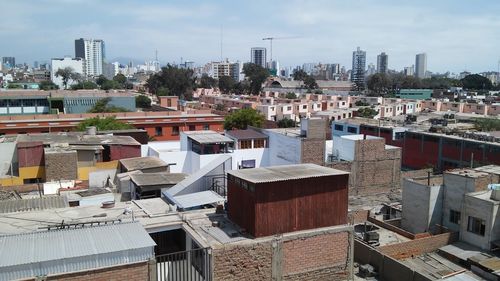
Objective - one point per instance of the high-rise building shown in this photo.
(409, 70)
(358, 68)
(421, 65)
(258, 56)
(9, 62)
(226, 68)
(92, 51)
(371, 69)
(382, 63)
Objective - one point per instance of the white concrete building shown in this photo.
(76, 64)
(92, 50)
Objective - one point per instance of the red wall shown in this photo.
(118, 152)
(30, 154)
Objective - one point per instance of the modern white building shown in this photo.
(421, 65)
(76, 64)
(92, 50)
(258, 55)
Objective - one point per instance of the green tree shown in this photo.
(286, 123)
(310, 82)
(241, 88)
(257, 75)
(85, 85)
(243, 118)
(379, 83)
(207, 82)
(487, 124)
(101, 80)
(220, 107)
(476, 82)
(299, 75)
(103, 124)
(47, 85)
(361, 103)
(291, 95)
(226, 84)
(178, 82)
(102, 106)
(367, 112)
(67, 74)
(142, 101)
(120, 79)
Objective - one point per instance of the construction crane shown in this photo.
(271, 39)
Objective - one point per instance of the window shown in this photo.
(454, 217)
(206, 127)
(192, 127)
(244, 144)
(158, 131)
(476, 225)
(399, 135)
(175, 130)
(352, 130)
(258, 143)
(304, 106)
(338, 127)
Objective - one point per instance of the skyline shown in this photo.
(455, 35)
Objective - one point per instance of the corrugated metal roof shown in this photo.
(68, 250)
(207, 137)
(138, 163)
(33, 204)
(246, 134)
(149, 179)
(197, 199)
(285, 172)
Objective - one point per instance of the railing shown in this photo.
(192, 265)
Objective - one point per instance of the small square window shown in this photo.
(175, 130)
(206, 127)
(192, 127)
(158, 131)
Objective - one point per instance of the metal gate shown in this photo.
(192, 265)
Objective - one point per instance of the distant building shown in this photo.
(9, 62)
(258, 55)
(92, 51)
(358, 68)
(382, 63)
(371, 70)
(416, 94)
(421, 65)
(78, 66)
(226, 68)
(409, 70)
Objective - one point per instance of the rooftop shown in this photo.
(285, 172)
(20, 94)
(149, 179)
(470, 173)
(76, 139)
(139, 163)
(246, 134)
(207, 137)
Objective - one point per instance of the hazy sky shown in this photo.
(455, 34)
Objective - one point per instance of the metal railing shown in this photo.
(191, 265)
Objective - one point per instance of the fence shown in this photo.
(191, 265)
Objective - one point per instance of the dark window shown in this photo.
(192, 127)
(338, 127)
(352, 130)
(206, 127)
(158, 131)
(175, 130)
(476, 225)
(454, 217)
(399, 136)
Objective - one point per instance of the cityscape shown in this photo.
(219, 140)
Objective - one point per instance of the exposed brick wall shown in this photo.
(418, 246)
(324, 274)
(358, 216)
(243, 262)
(61, 165)
(137, 271)
(313, 151)
(313, 253)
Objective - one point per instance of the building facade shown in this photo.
(258, 55)
(78, 66)
(92, 51)
(358, 68)
(382, 63)
(421, 65)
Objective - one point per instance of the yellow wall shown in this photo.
(11, 181)
(83, 172)
(32, 172)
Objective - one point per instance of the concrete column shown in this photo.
(152, 270)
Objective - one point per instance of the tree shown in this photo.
(67, 74)
(310, 82)
(220, 107)
(178, 82)
(476, 82)
(291, 95)
(257, 75)
(103, 124)
(101, 106)
(243, 118)
(487, 124)
(47, 85)
(120, 79)
(241, 88)
(361, 103)
(286, 123)
(299, 75)
(226, 84)
(87, 85)
(367, 112)
(142, 101)
(101, 80)
(207, 82)
(379, 83)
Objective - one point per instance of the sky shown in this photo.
(457, 35)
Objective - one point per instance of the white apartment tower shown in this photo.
(92, 51)
(421, 65)
(258, 56)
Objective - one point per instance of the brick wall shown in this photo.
(418, 246)
(358, 216)
(315, 253)
(313, 151)
(137, 271)
(61, 165)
